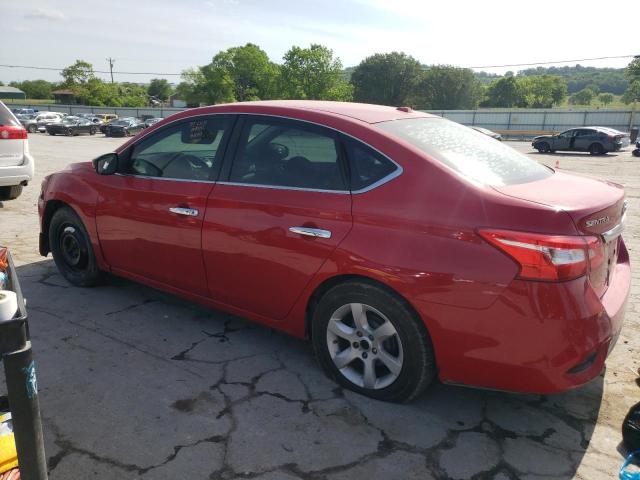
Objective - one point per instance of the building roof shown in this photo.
(63, 91)
(10, 90)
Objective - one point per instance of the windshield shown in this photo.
(470, 153)
(120, 122)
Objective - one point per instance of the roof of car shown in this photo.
(361, 111)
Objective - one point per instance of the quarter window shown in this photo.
(366, 166)
(287, 154)
(189, 150)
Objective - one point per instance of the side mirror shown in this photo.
(106, 164)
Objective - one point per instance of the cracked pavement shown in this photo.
(138, 384)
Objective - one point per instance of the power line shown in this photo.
(556, 61)
(111, 71)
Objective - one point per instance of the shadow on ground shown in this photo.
(136, 383)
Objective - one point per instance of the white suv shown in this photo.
(16, 164)
(44, 118)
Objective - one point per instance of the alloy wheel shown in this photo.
(364, 346)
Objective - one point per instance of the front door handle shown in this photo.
(189, 212)
(311, 232)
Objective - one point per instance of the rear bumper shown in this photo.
(15, 175)
(536, 338)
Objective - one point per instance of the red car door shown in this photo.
(284, 208)
(149, 216)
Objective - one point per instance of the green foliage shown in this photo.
(633, 70)
(386, 79)
(77, 74)
(633, 93)
(448, 87)
(254, 76)
(583, 97)
(314, 74)
(543, 91)
(578, 77)
(606, 98)
(506, 92)
(159, 88)
(35, 89)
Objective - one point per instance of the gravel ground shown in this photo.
(137, 384)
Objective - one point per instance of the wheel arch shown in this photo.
(327, 284)
(50, 209)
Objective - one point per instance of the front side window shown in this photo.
(188, 150)
(280, 153)
(471, 154)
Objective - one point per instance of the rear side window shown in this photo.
(6, 117)
(188, 150)
(471, 154)
(285, 153)
(366, 166)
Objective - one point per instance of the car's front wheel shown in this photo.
(370, 341)
(543, 147)
(71, 249)
(32, 129)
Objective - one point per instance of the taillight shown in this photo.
(548, 257)
(11, 132)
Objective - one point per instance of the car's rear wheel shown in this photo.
(10, 193)
(543, 147)
(68, 132)
(32, 129)
(596, 149)
(71, 249)
(92, 131)
(370, 341)
(51, 133)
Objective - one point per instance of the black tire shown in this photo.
(636, 152)
(32, 129)
(10, 193)
(71, 249)
(68, 132)
(411, 341)
(92, 131)
(543, 147)
(596, 149)
(51, 133)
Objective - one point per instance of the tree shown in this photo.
(448, 87)
(583, 97)
(159, 88)
(633, 93)
(606, 98)
(78, 73)
(543, 91)
(254, 76)
(386, 79)
(206, 85)
(633, 70)
(38, 89)
(504, 93)
(313, 73)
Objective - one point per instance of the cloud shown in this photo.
(45, 14)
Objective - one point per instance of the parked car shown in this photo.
(595, 140)
(72, 126)
(16, 163)
(123, 127)
(151, 121)
(636, 151)
(403, 245)
(489, 133)
(43, 119)
(24, 111)
(106, 117)
(28, 121)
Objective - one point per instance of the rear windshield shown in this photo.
(7, 118)
(470, 153)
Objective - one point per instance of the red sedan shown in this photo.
(403, 245)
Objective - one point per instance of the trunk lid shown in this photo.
(596, 207)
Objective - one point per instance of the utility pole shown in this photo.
(111, 60)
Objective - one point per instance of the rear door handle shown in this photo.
(188, 212)
(311, 232)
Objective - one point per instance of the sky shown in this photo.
(164, 36)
